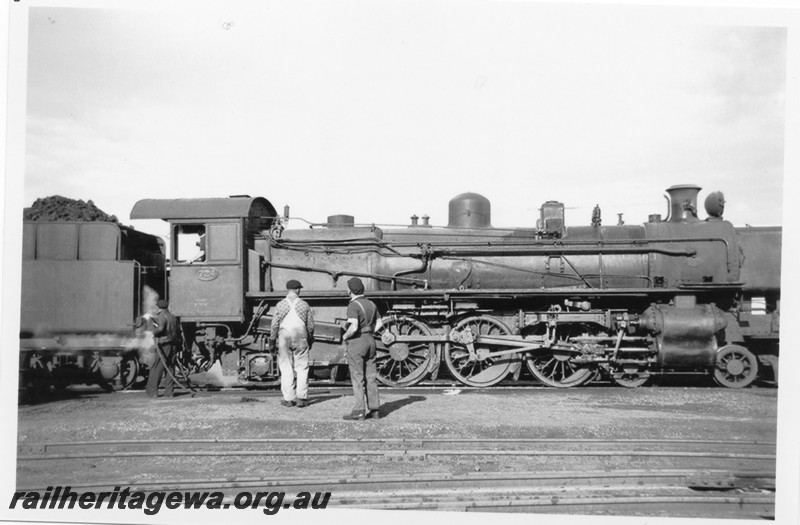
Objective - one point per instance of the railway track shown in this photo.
(699, 478)
(745, 494)
(390, 448)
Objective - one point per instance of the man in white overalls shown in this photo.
(293, 331)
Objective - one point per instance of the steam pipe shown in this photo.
(335, 275)
(421, 269)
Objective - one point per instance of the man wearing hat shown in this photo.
(292, 332)
(362, 321)
(167, 338)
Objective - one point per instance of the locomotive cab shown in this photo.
(212, 263)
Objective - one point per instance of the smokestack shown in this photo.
(683, 203)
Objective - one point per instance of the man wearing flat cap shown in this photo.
(362, 321)
(292, 332)
(165, 330)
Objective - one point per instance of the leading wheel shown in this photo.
(402, 363)
(736, 367)
(630, 376)
(479, 370)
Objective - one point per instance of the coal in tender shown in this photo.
(58, 208)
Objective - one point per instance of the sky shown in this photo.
(386, 110)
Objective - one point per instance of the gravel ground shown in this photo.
(592, 412)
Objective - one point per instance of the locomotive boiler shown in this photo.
(569, 303)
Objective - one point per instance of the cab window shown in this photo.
(189, 246)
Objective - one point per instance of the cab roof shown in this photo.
(210, 208)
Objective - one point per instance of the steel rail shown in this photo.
(45, 445)
(432, 477)
(547, 504)
(399, 453)
(373, 480)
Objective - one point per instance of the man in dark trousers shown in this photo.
(292, 332)
(167, 338)
(362, 321)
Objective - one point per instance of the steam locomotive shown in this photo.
(570, 303)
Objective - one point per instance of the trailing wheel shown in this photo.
(402, 363)
(479, 369)
(736, 367)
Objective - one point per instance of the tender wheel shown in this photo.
(39, 374)
(400, 363)
(480, 371)
(129, 371)
(736, 367)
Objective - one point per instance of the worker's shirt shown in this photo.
(365, 312)
(292, 318)
(165, 327)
